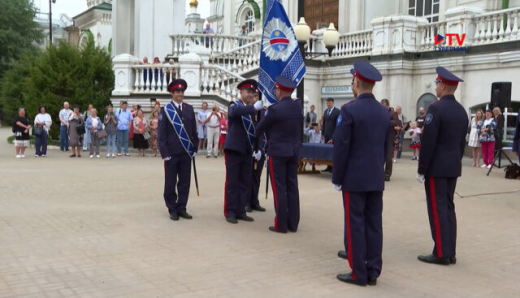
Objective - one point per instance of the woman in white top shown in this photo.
(44, 121)
(473, 141)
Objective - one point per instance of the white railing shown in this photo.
(218, 81)
(353, 44)
(427, 35)
(154, 79)
(242, 59)
(497, 26)
(216, 43)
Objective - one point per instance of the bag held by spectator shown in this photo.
(102, 134)
(37, 130)
(81, 128)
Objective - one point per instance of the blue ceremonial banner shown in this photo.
(279, 54)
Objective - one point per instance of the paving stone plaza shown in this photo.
(99, 228)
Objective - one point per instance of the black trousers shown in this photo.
(255, 183)
(238, 183)
(389, 164)
(284, 181)
(177, 179)
(364, 233)
(441, 212)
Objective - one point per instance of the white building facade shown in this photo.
(96, 23)
(397, 36)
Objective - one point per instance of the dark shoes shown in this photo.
(256, 208)
(245, 218)
(231, 219)
(259, 208)
(348, 279)
(273, 229)
(387, 178)
(436, 260)
(343, 254)
(184, 215)
(372, 281)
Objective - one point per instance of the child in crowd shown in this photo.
(415, 144)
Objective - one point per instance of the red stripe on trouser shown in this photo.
(346, 201)
(275, 194)
(433, 199)
(225, 186)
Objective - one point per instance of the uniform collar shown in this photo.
(285, 98)
(448, 97)
(177, 105)
(365, 95)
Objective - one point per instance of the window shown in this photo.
(250, 21)
(425, 101)
(428, 9)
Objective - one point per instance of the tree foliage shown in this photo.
(60, 73)
(18, 31)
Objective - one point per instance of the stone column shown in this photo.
(190, 72)
(459, 21)
(396, 34)
(121, 26)
(124, 75)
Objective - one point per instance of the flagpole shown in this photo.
(300, 89)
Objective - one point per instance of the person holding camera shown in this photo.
(75, 120)
(486, 129)
(313, 131)
(111, 128)
(212, 123)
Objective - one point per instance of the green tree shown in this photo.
(60, 73)
(18, 31)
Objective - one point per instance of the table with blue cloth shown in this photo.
(315, 154)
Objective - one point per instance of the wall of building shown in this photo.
(404, 82)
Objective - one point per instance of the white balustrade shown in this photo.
(496, 26)
(154, 78)
(352, 44)
(428, 32)
(216, 43)
(218, 81)
(242, 59)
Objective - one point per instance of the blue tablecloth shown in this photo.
(316, 151)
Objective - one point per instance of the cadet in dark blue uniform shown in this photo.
(238, 150)
(516, 138)
(360, 145)
(282, 122)
(253, 203)
(178, 143)
(442, 148)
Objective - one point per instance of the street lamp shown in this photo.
(303, 32)
(50, 20)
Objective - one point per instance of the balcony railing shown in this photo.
(153, 79)
(241, 59)
(354, 44)
(216, 43)
(497, 26)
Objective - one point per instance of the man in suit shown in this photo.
(238, 150)
(360, 145)
(282, 121)
(440, 163)
(330, 116)
(394, 122)
(178, 143)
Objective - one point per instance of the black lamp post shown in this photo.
(303, 32)
(50, 20)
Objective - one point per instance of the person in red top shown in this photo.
(223, 133)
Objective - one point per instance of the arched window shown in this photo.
(425, 101)
(250, 21)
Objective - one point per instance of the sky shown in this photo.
(74, 7)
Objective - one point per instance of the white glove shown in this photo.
(167, 158)
(257, 155)
(337, 187)
(194, 154)
(420, 178)
(259, 105)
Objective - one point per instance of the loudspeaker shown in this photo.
(501, 95)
